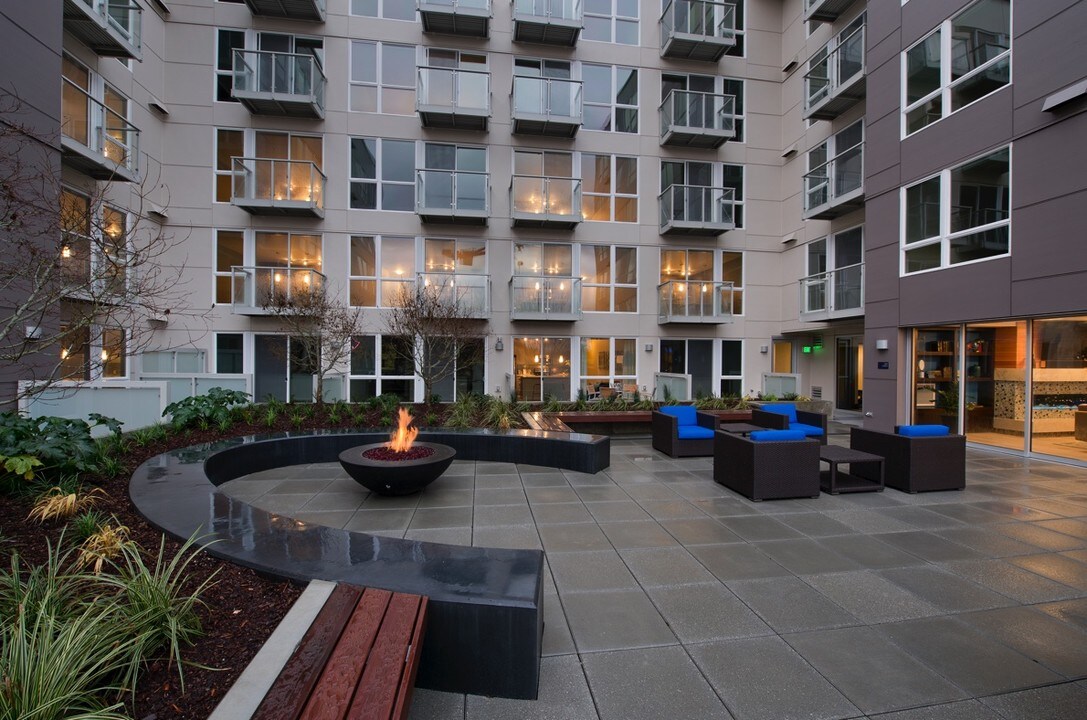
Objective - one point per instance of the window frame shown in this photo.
(612, 379)
(613, 194)
(381, 11)
(613, 103)
(379, 85)
(380, 280)
(613, 19)
(612, 284)
(722, 378)
(378, 180)
(378, 377)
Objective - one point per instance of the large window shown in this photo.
(229, 253)
(732, 270)
(230, 40)
(540, 258)
(963, 60)
(382, 268)
(541, 368)
(609, 277)
(611, 21)
(382, 174)
(272, 179)
(610, 98)
(609, 366)
(835, 277)
(961, 215)
(609, 188)
(380, 365)
(732, 367)
(388, 9)
(382, 78)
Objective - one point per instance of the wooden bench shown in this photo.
(357, 660)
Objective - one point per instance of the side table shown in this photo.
(835, 481)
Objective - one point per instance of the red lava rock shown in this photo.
(384, 454)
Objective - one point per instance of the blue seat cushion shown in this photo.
(694, 432)
(923, 430)
(776, 435)
(685, 414)
(786, 409)
(808, 430)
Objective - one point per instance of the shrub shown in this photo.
(86, 524)
(60, 445)
(205, 410)
(58, 504)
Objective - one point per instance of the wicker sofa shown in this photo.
(766, 470)
(786, 416)
(914, 464)
(682, 431)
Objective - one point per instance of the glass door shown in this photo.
(848, 385)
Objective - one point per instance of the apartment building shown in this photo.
(713, 197)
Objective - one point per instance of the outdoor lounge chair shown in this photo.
(812, 424)
(769, 465)
(917, 458)
(682, 431)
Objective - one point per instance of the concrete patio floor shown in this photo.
(669, 596)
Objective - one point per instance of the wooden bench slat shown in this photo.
(292, 688)
(335, 689)
(385, 667)
(407, 684)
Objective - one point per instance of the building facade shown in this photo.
(810, 196)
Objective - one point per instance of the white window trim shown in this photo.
(378, 85)
(719, 352)
(249, 144)
(612, 378)
(378, 180)
(381, 11)
(613, 18)
(613, 193)
(613, 103)
(613, 285)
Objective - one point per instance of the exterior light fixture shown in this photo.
(498, 345)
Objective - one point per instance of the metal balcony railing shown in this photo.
(452, 98)
(694, 301)
(697, 210)
(537, 201)
(95, 138)
(469, 18)
(471, 293)
(697, 29)
(833, 294)
(109, 27)
(697, 119)
(545, 297)
(256, 290)
(553, 22)
(546, 106)
(313, 10)
(835, 80)
(267, 186)
(452, 196)
(277, 83)
(835, 187)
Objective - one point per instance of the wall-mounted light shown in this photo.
(498, 346)
(649, 347)
(882, 345)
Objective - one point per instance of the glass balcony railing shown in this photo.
(834, 293)
(278, 187)
(471, 293)
(547, 297)
(554, 22)
(452, 193)
(551, 98)
(688, 209)
(546, 199)
(697, 29)
(694, 301)
(109, 27)
(686, 117)
(259, 290)
(97, 139)
(550, 9)
(833, 74)
(279, 83)
(447, 97)
(835, 183)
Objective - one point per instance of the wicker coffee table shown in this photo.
(835, 481)
(744, 429)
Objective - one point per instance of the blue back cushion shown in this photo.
(777, 435)
(786, 409)
(923, 430)
(684, 413)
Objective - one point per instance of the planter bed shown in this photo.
(634, 423)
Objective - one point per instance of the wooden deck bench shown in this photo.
(357, 660)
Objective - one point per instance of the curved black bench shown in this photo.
(486, 604)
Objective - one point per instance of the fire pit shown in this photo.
(400, 466)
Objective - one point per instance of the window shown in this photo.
(538, 258)
(227, 41)
(382, 174)
(693, 205)
(541, 368)
(610, 98)
(382, 78)
(393, 256)
(963, 60)
(609, 277)
(835, 168)
(75, 224)
(95, 114)
(388, 9)
(961, 215)
(700, 113)
(380, 365)
(454, 176)
(284, 262)
(732, 270)
(835, 274)
(229, 354)
(229, 253)
(696, 265)
(271, 178)
(611, 21)
(609, 188)
(92, 352)
(608, 366)
(543, 182)
(739, 49)
(732, 176)
(94, 247)
(704, 266)
(114, 354)
(228, 145)
(732, 368)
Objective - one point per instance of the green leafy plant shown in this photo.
(61, 445)
(298, 418)
(204, 410)
(501, 414)
(87, 523)
(21, 465)
(464, 411)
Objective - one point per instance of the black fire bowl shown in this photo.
(396, 477)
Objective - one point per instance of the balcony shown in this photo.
(836, 79)
(694, 301)
(265, 186)
(453, 99)
(471, 293)
(450, 196)
(696, 210)
(551, 22)
(546, 106)
(825, 10)
(545, 202)
(95, 139)
(697, 29)
(311, 10)
(260, 290)
(697, 119)
(109, 27)
(467, 18)
(833, 294)
(836, 187)
(282, 84)
(547, 297)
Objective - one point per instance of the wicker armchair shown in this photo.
(780, 417)
(914, 464)
(766, 470)
(667, 431)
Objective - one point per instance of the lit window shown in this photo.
(609, 277)
(609, 188)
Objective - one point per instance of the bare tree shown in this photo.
(442, 329)
(319, 326)
(82, 267)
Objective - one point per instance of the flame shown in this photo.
(403, 436)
